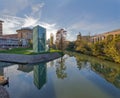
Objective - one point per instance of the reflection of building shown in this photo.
(25, 68)
(39, 39)
(40, 75)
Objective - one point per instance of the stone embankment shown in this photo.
(19, 58)
(3, 92)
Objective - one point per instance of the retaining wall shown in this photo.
(19, 58)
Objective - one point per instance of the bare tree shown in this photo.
(60, 39)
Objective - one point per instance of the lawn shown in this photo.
(27, 51)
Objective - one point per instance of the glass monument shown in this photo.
(39, 39)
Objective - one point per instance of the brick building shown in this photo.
(25, 33)
(103, 36)
(22, 38)
(1, 27)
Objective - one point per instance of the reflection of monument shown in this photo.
(40, 75)
(25, 68)
(39, 39)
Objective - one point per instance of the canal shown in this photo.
(72, 76)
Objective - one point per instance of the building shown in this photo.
(39, 39)
(83, 38)
(9, 42)
(1, 28)
(25, 33)
(103, 36)
(10, 36)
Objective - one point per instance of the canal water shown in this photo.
(72, 76)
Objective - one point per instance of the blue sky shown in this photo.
(85, 16)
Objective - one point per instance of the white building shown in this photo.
(9, 42)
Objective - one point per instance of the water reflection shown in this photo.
(77, 75)
(25, 68)
(108, 70)
(4, 79)
(109, 73)
(60, 68)
(40, 75)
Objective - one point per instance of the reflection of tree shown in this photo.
(40, 75)
(51, 63)
(109, 73)
(60, 69)
(80, 61)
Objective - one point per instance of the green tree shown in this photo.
(98, 48)
(112, 49)
(71, 46)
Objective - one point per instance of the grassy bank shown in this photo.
(27, 51)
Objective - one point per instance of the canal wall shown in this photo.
(19, 58)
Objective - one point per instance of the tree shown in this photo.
(60, 39)
(98, 48)
(112, 49)
(71, 46)
(51, 40)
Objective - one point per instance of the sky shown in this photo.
(85, 16)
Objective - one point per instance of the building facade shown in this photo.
(25, 36)
(39, 39)
(1, 27)
(25, 33)
(10, 36)
(9, 42)
(103, 36)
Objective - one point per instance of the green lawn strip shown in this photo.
(27, 51)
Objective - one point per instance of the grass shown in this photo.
(27, 51)
(18, 51)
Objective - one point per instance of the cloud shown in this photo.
(51, 28)
(12, 7)
(12, 23)
(10, 26)
(85, 27)
(29, 22)
(36, 10)
(37, 7)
